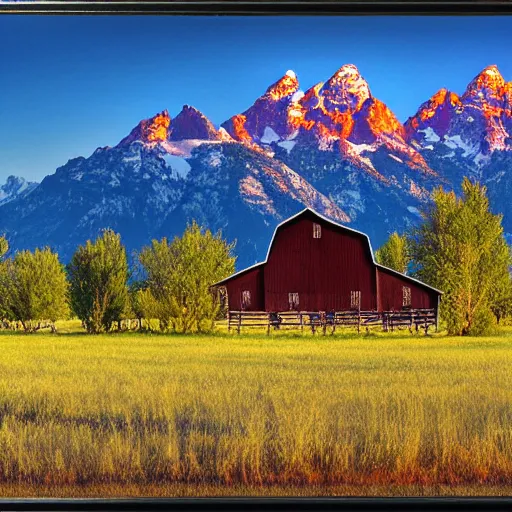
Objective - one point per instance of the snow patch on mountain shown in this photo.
(184, 148)
(178, 164)
(287, 144)
(296, 96)
(134, 158)
(396, 158)
(269, 136)
(114, 182)
(414, 210)
(359, 148)
(215, 159)
(481, 159)
(455, 142)
(430, 135)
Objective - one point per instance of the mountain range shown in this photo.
(333, 147)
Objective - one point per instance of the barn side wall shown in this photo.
(252, 281)
(323, 271)
(391, 292)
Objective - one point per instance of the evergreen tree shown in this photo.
(98, 274)
(460, 249)
(179, 275)
(36, 288)
(394, 253)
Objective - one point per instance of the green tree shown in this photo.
(4, 246)
(179, 275)
(460, 249)
(394, 253)
(37, 290)
(5, 313)
(501, 299)
(143, 305)
(98, 275)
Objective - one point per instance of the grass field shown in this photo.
(155, 415)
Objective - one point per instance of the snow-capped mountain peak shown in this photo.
(488, 85)
(269, 111)
(345, 90)
(154, 129)
(435, 114)
(286, 86)
(15, 187)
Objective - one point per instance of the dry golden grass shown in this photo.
(153, 415)
(120, 491)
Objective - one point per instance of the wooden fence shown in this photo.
(413, 319)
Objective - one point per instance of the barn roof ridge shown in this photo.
(308, 209)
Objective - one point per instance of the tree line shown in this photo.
(460, 249)
(169, 283)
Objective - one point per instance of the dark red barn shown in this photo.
(315, 264)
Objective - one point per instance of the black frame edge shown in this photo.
(265, 7)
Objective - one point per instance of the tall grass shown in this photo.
(254, 411)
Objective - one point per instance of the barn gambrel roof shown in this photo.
(330, 221)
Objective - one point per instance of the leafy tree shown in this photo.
(179, 275)
(98, 274)
(460, 249)
(5, 313)
(36, 288)
(394, 253)
(143, 305)
(4, 246)
(501, 299)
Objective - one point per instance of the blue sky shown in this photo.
(70, 84)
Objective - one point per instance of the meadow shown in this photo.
(131, 414)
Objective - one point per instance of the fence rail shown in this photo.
(412, 319)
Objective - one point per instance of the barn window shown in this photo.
(355, 300)
(293, 300)
(317, 230)
(406, 294)
(246, 299)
